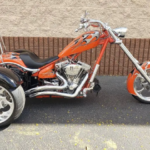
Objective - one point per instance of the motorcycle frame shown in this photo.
(96, 65)
(109, 37)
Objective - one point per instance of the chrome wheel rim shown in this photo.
(6, 104)
(141, 87)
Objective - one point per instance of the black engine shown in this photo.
(28, 80)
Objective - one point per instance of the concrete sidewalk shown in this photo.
(113, 120)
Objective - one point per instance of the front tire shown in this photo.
(142, 88)
(141, 100)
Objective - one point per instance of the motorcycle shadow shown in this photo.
(113, 105)
(4, 127)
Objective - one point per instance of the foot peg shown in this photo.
(94, 86)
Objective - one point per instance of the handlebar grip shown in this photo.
(76, 30)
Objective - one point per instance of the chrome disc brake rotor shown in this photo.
(6, 104)
(141, 87)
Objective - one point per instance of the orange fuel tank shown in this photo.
(82, 43)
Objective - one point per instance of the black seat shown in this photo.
(34, 62)
(23, 50)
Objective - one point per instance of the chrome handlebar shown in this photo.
(85, 23)
(83, 26)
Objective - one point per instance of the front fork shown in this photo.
(127, 52)
(135, 62)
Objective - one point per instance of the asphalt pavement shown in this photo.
(112, 120)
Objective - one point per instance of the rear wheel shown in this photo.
(142, 88)
(11, 104)
(19, 96)
(7, 106)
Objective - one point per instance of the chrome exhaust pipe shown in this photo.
(62, 94)
(48, 87)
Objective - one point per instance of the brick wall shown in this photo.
(114, 61)
(59, 18)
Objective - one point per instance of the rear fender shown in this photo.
(9, 78)
(133, 74)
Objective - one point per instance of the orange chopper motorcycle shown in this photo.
(30, 76)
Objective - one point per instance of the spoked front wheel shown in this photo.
(142, 88)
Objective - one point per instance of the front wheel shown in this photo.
(141, 100)
(12, 103)
(138, 86)
(142, 88)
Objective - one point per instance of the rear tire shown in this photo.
(17, 98)
(12, 108)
